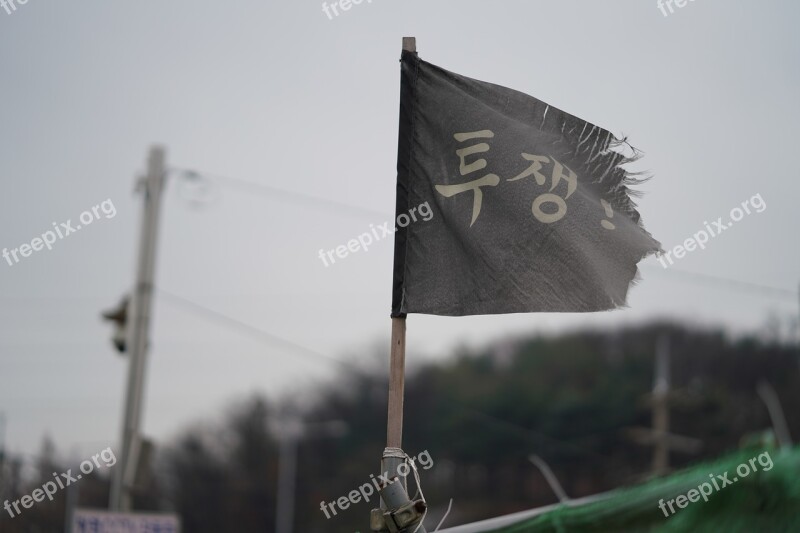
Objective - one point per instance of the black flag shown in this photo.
(531, 206)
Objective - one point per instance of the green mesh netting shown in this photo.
(761, 502)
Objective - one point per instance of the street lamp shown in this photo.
(290, 431)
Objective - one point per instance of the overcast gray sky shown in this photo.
(278, 94)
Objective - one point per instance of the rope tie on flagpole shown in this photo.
(397, 453)
(419, 488)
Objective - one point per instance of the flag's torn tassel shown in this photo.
(602, 154)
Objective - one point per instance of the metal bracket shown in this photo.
(402, 514)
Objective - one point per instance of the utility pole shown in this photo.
(661, 387)
(3, 483)
(151, 186)
(287, 473)
(658, 436)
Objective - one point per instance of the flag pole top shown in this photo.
(410, 44)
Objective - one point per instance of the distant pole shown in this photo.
(2, 437)
(151, 186)
(73, 497)
(661, 388)
(3, 484)
(290, 430)
(287, 467)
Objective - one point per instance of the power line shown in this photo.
(729, 282)
(268, 190)
(256, 332)
(246, 328)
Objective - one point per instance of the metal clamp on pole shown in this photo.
(398, 512)
(402, 515)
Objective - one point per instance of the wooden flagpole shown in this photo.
(397, 512)
(394, 428)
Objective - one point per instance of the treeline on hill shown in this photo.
(571, 399)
